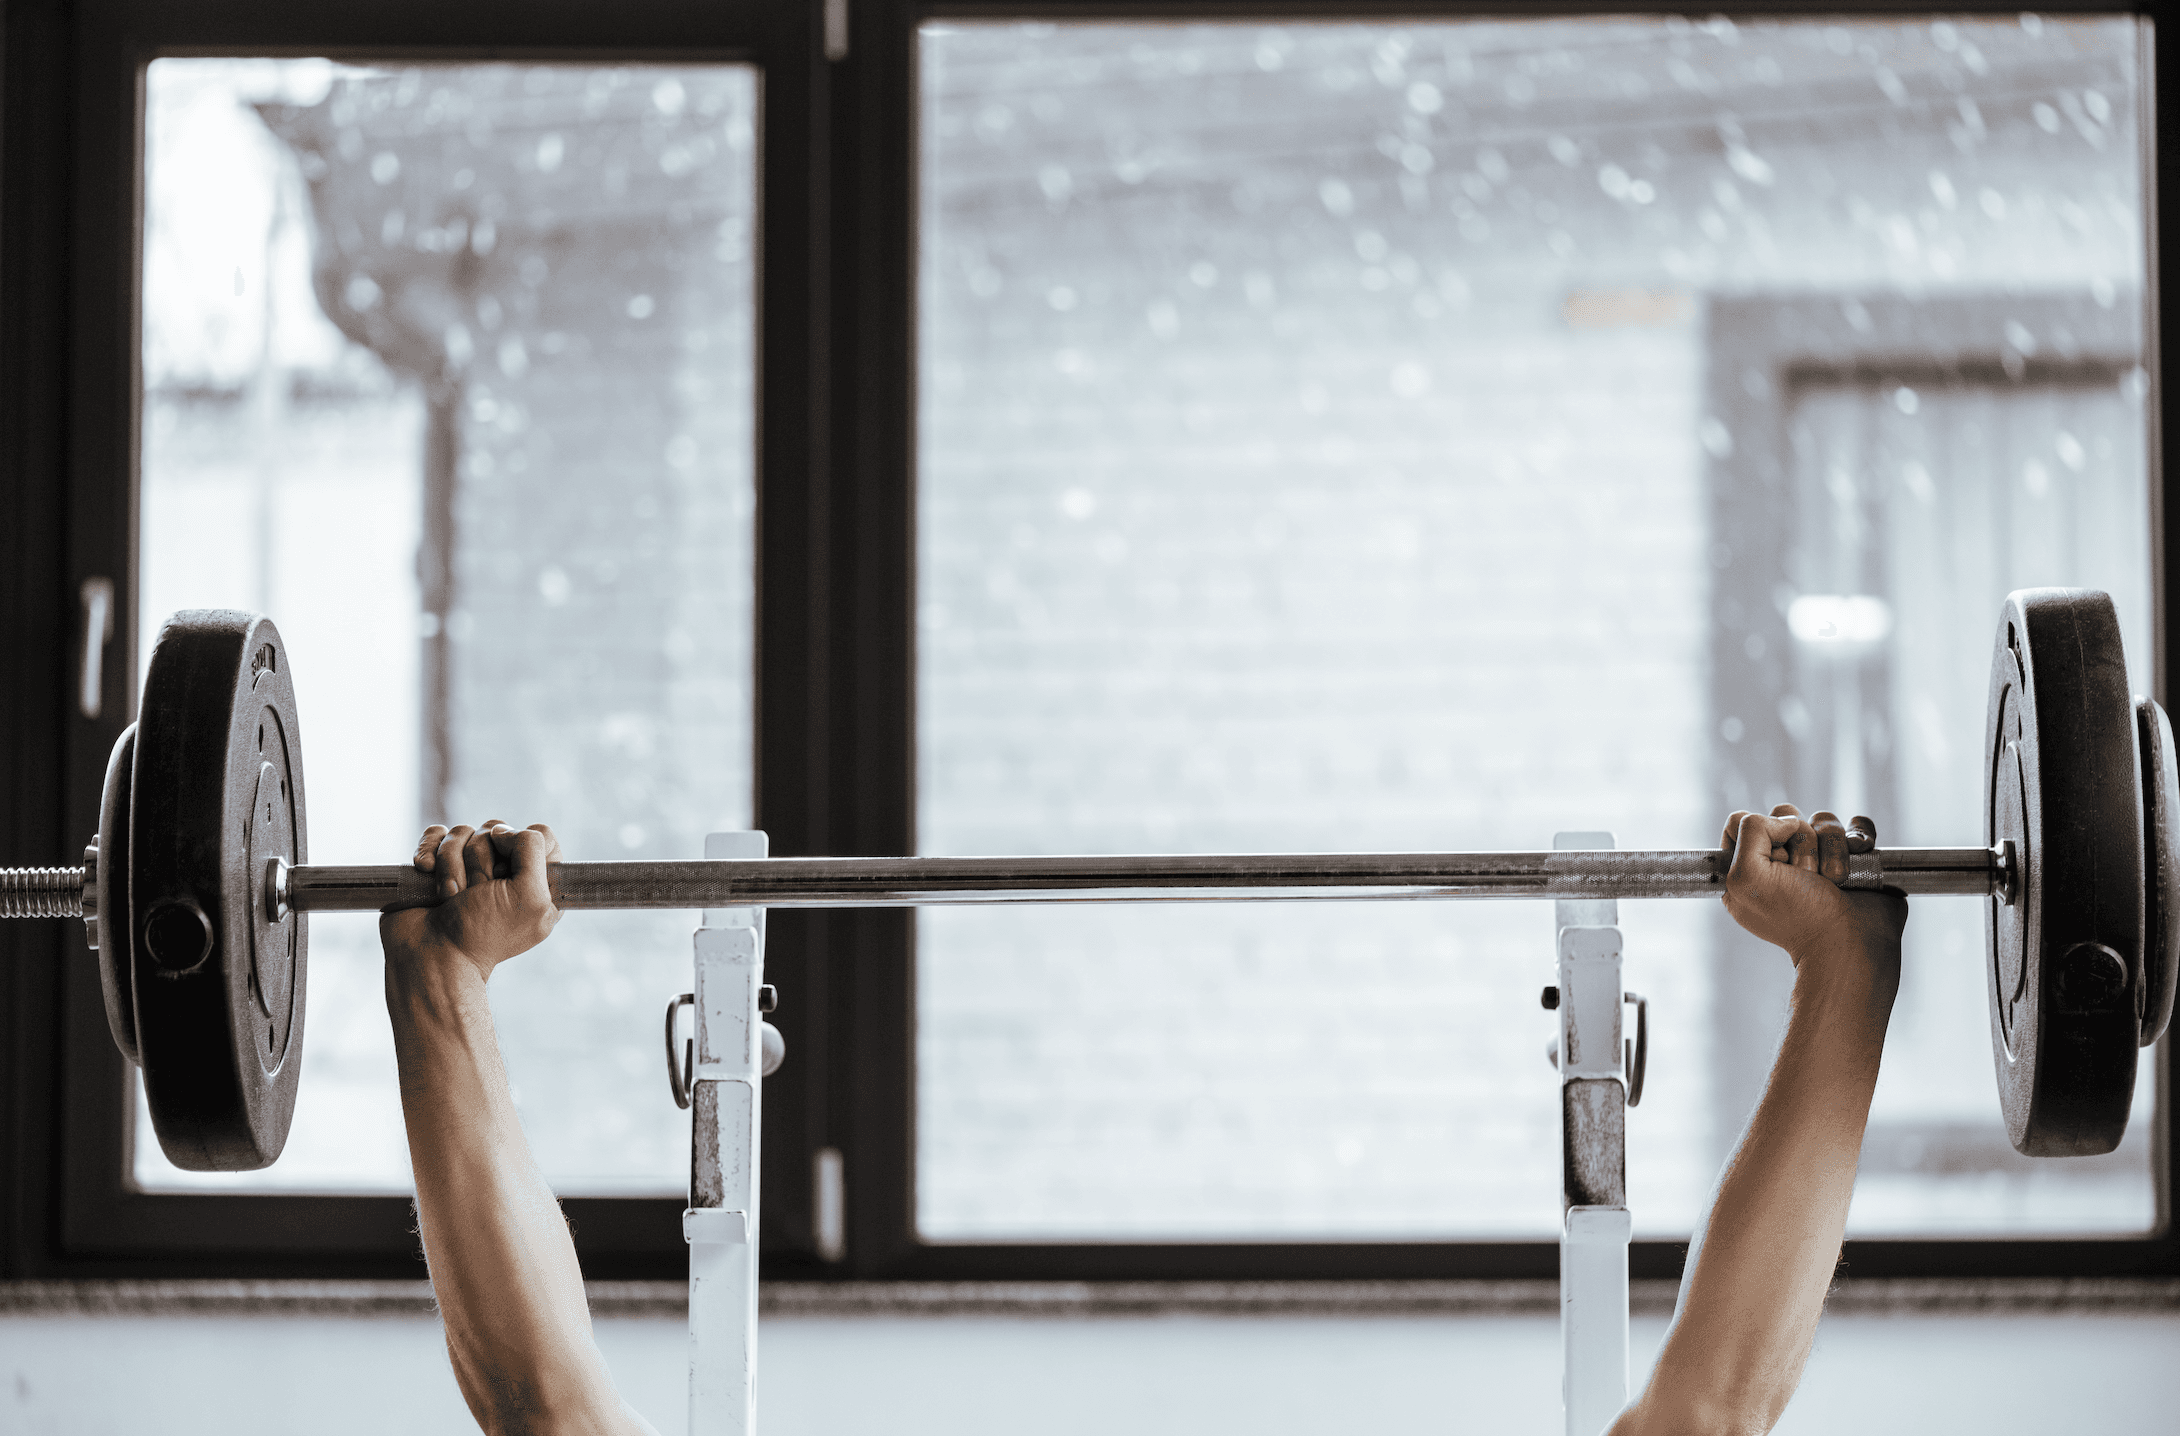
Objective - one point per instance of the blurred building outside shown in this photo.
(1332, 436)
(1375, 437)
(474, 278)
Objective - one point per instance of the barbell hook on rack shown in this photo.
(681, 1066)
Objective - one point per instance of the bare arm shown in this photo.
(1759, 1269)
(502, 1264)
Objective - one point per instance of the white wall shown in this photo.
(240, 1376)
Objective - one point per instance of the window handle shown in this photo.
(836, 30)
(98, 631)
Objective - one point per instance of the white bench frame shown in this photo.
(726, 1138)
(1594, 1225)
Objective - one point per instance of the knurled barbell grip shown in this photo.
(911, 882)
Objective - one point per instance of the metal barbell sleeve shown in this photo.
(41, 892)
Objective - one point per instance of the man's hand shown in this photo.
(502, 1264)
(496, 904)
(1784, 888)
(1764, 1256)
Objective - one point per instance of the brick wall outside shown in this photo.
(1313, 457)
(602, 623)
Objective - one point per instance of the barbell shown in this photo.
(196, 892)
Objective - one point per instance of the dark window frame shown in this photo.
(835, 745)
(877, 442)
(69, 264)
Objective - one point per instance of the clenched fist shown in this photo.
(1784, 887)
(494, 903)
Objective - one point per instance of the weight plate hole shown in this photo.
(2092, 978)
(177, 935)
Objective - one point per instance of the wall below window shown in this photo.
(240, 1375)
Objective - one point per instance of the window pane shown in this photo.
(1366, 437)
(1943, 495)
(448, 368)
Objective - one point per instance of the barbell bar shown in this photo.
(940, 882)
(197, 889)
(1240, 877)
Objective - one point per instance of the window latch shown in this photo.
(836, 30)
(98, 631)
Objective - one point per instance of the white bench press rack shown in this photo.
(723, 1088)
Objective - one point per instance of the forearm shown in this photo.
(1760, 1267)
(502, 1264)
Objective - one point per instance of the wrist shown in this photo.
(438, 981)
(1851, 975)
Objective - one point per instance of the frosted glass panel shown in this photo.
(448, 368)
(1329, 439)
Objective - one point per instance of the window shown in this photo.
(439, 339)
(472, 419)
(1182, 429)
(1932, 488)
(1347, 436)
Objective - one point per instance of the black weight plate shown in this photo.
(219, 986)
(2063, 961)
(2161, 868)
(114, 934)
